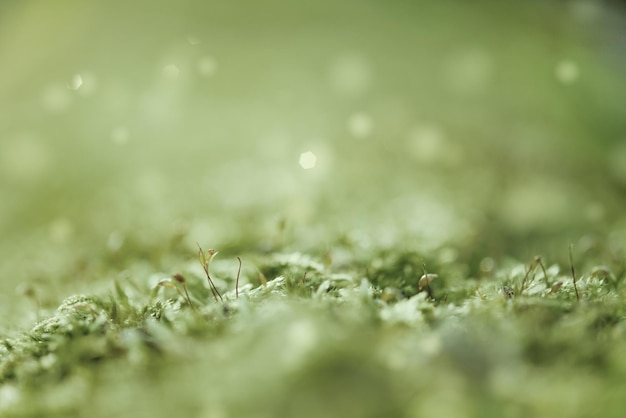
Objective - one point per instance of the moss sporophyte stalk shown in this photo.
(288, 328)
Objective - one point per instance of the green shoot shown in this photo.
(543, 269)
(531, 268)
(169, 283)
(425, 281)
(237, 280)
(556, 286)
(180, 279)
(206, 261)
(571, 263)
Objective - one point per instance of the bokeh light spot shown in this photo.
(76, 82)
(171, 71)
(567, 72)
(308, 160)
(207, 66)
(350, 75)
(120, 135)
(360, 125)
(56, 98)
(24, 158)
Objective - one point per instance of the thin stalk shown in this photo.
(543, 269)
(205, 265)
(237, 281)
(180, 279)
(571, 263)
(531, 268)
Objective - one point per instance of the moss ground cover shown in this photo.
(324, 340)
(418, 208)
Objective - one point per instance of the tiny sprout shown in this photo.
(425, 280)
(556, 286)
(262, 279)
(571, 263)
(180, 279)
(205, 262)
(237, 280)
(543, 269)
(169, 283)
(531, 268)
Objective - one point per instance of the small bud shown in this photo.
(167, 283)
(601, 271)
(425, 280)
(556, 286)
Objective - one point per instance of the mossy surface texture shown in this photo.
(418, 209)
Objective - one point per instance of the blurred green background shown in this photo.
(129, 131)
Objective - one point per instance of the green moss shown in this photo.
(286, 345)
